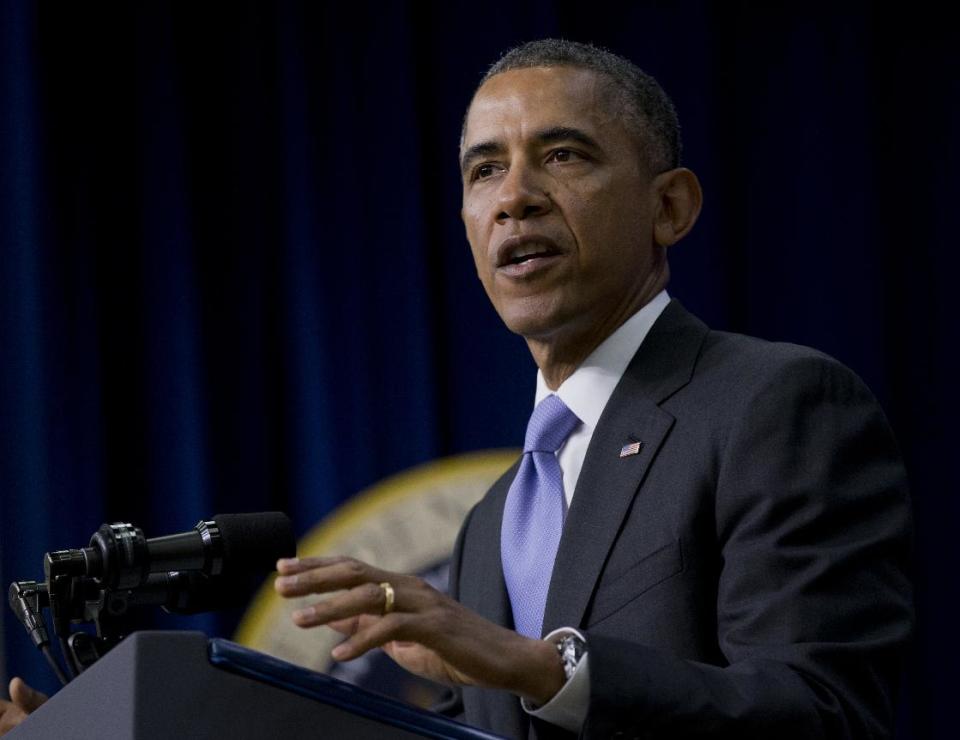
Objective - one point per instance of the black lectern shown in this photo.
(166, 685)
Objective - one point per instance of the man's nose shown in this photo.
(521, 195)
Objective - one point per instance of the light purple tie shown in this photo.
(533, 515)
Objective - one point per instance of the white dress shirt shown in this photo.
(586, 393)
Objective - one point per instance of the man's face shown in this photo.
(557, 205)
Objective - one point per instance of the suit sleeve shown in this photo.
(814, 607)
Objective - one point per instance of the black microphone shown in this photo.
(120, 557)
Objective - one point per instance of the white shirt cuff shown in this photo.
(568, 707)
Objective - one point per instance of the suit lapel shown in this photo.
(491, 599)
(608, 483)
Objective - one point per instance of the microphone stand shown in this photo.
(183, 573)
(28, 599)
(73, 598)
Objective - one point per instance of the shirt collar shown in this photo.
(587, 391)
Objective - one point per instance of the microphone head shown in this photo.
(255, 541)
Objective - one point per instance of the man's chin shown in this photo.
(531, 326)
(537, 324)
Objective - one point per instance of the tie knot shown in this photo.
(550, 424)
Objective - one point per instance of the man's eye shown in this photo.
(484, 171)
(563, 155)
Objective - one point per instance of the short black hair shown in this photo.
(649, 110)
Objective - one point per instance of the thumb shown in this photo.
(24, 697)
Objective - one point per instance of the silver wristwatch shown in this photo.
(571, 648)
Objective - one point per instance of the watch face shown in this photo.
(571, 649)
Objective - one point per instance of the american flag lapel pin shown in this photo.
(631, 448)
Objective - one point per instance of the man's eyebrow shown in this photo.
(557, 134)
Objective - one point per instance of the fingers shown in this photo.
(426, 631)
(10, 716)
(361, 609)
(367, 598)
(289, 566)
(23, 700)
(421, 613)
(25, 697)
(371, 636)
(322, 575)
(346, 626)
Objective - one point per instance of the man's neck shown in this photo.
(559, 356)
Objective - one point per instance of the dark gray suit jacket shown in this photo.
(744, 575)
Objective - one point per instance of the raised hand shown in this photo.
(423, 630)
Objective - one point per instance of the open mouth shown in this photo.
(521, 251)
(519, 259)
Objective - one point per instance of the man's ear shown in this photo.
(679, 199)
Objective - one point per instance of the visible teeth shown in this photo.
(527, 251)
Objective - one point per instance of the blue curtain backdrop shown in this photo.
(233, 276)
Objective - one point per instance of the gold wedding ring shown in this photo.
(388, 597)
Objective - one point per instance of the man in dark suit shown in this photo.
(729, 555)
(707, 534)
(742, 575)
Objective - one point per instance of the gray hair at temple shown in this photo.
(647, 107)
